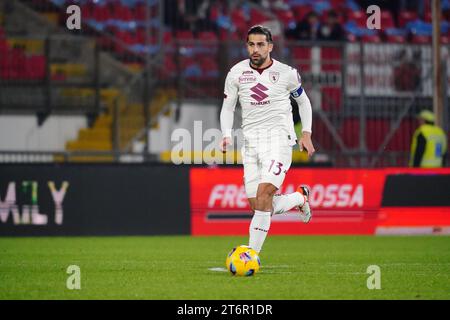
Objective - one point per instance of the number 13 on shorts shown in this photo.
(275, 167)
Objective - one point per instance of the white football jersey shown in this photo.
(264, 97)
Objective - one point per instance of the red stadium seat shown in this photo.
(126, 39)
(122, 12)
(285, 16)
(302, 57)
(167, 37)
(376, 131)
(428, 16)
(170, 67)
(209, 67)
(207, 36)
(374, 38)
(401, 141)
(3, 47)
(405, 17)
(101, 13)
(184, 35)
(140, 12)
(331, 59)
(225, 35)
(239, 20)
(387, 21)
(86, 11)
(323, 136)
(258, 17)
(140, 35)
(331, 98)
(340, 16)
(396, 39)
(36, 67)
(338, 4)
(419, 39)
(445, 39)
(349, 132)
(359, 17)
(301, 11)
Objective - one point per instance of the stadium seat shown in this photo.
(127, 39)
(184, 35)
(122, 12)
(421, 39)
(239, 20)
(405, 17)
(349, 132)
(322, 135)
(376, 130)
(258, 17)
(101, 13)
(300, 12)
(396, 35)
(371, 38)
(359, 17)
(331, 98)
(396, 39)
(401, 141)
(209, 67)
(387, 21)
(286, 17)
(87, 11)
(225, 35)
(331, 59)
(208, 36)
(302, 57)
(36, 67)
(445, 39)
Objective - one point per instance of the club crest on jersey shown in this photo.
(274, 76)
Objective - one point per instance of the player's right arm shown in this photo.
(227, 112)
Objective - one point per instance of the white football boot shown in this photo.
(304, 210)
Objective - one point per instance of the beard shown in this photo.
(258, 61)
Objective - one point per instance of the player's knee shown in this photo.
(263, 199)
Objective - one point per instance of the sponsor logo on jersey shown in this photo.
(274, 76)
(247, 79)
(247, 72)
(259, 94)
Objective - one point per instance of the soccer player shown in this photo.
(263, 86)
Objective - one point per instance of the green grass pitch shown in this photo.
(179, 267)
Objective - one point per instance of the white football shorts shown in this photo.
(265, 163)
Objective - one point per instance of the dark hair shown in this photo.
(260, 30)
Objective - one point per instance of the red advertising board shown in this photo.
(344, 201)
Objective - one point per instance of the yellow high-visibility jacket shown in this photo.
(428, 147)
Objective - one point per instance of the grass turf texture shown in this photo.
(310, 267)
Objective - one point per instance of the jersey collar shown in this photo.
(260, 70)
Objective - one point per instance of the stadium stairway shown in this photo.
(130, 123)
(100, 137)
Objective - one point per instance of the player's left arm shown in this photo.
(305, 111)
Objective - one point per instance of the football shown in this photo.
(243, 261)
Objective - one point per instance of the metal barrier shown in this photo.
(365, 95)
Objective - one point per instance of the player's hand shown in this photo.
(226, 141)
(306, 143)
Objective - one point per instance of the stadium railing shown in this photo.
(364, 94)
